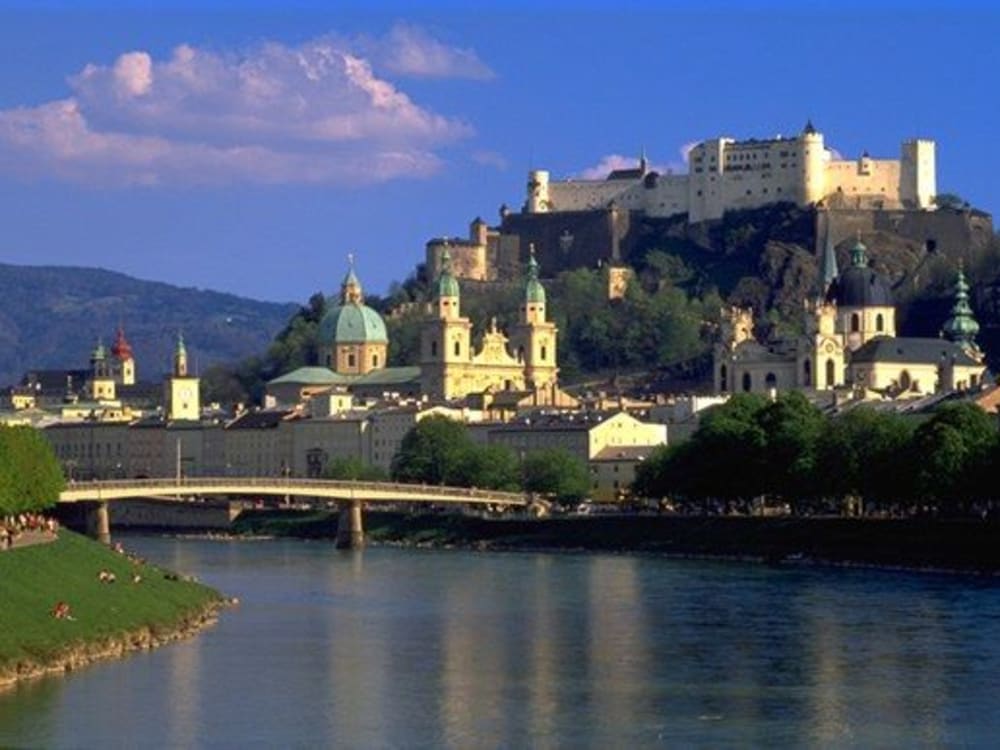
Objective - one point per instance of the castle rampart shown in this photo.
(725, 174)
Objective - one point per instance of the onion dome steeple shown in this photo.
(121, 349)
(534, 292)
(180, 357)
(962, 326)
(447, 283)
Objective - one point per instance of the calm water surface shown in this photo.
(409, 648)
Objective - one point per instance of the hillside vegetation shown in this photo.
(52, 317)
(667, 321)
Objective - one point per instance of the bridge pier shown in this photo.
(99, 522)
(350, 532)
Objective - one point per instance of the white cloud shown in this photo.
(490, 159)
(611, 162)
(409, 50)
(316, 112)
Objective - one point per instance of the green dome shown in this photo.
(447, 283)
(352, 323)
(962, 326)
(533, 290)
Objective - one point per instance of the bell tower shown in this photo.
(535, 336)
(183, 390)
(446, 338)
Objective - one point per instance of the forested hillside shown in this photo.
(52, 317)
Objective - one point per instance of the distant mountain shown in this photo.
(51, 317)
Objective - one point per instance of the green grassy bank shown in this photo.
(108, 618)
(963, 545)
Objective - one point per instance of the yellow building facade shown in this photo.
(451, 367)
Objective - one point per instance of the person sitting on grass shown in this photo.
(61, 611)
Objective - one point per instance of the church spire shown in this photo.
(180, 357)
(534, 292)
(962, 326)
(830, 271)
(350, 289)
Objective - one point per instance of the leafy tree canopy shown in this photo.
(30, 476)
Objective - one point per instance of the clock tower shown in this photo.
(183, 392)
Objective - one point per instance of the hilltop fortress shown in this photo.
(726, 174)
(582, 223)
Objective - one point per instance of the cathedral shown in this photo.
(353, 350)
(449, 366)
(850, 341)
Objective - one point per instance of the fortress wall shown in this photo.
(594, 236)
(669, 195)
(955, 233)
(878, 177)
(585, 194)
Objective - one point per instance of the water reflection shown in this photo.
(394, 648)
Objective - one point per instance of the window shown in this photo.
(747, 382)
(771, 381)
(830, 373)
(723, 379)
(879, 322)
(807, 373)
(458, 349)
(374, 360)
(855, 323)
(544, 353)
(434, 348)
(350, 360)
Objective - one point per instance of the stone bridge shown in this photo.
(349, 494)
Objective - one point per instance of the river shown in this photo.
(453, 649)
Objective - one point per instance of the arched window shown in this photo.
(374, 360)
(458, 348)
(544, 353)
(855, 323)
(807, 373)
(771, 381)
(434, 348)
(723, 379)
(905, 381)
(350, 360)
(329, 360)
(520, 354)
(879, 322)
(831, 373)
(747, 382)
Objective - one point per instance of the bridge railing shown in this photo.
(173, 484)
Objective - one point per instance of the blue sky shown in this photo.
(251, 150)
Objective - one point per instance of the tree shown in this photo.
(353, 469)
(952, 456)
(864, 453)
(492, 467)
(792, 427)
(431, 451)
(558, 473)
(30, 476)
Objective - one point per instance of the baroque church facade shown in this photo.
(450, 368)
(850, 341)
